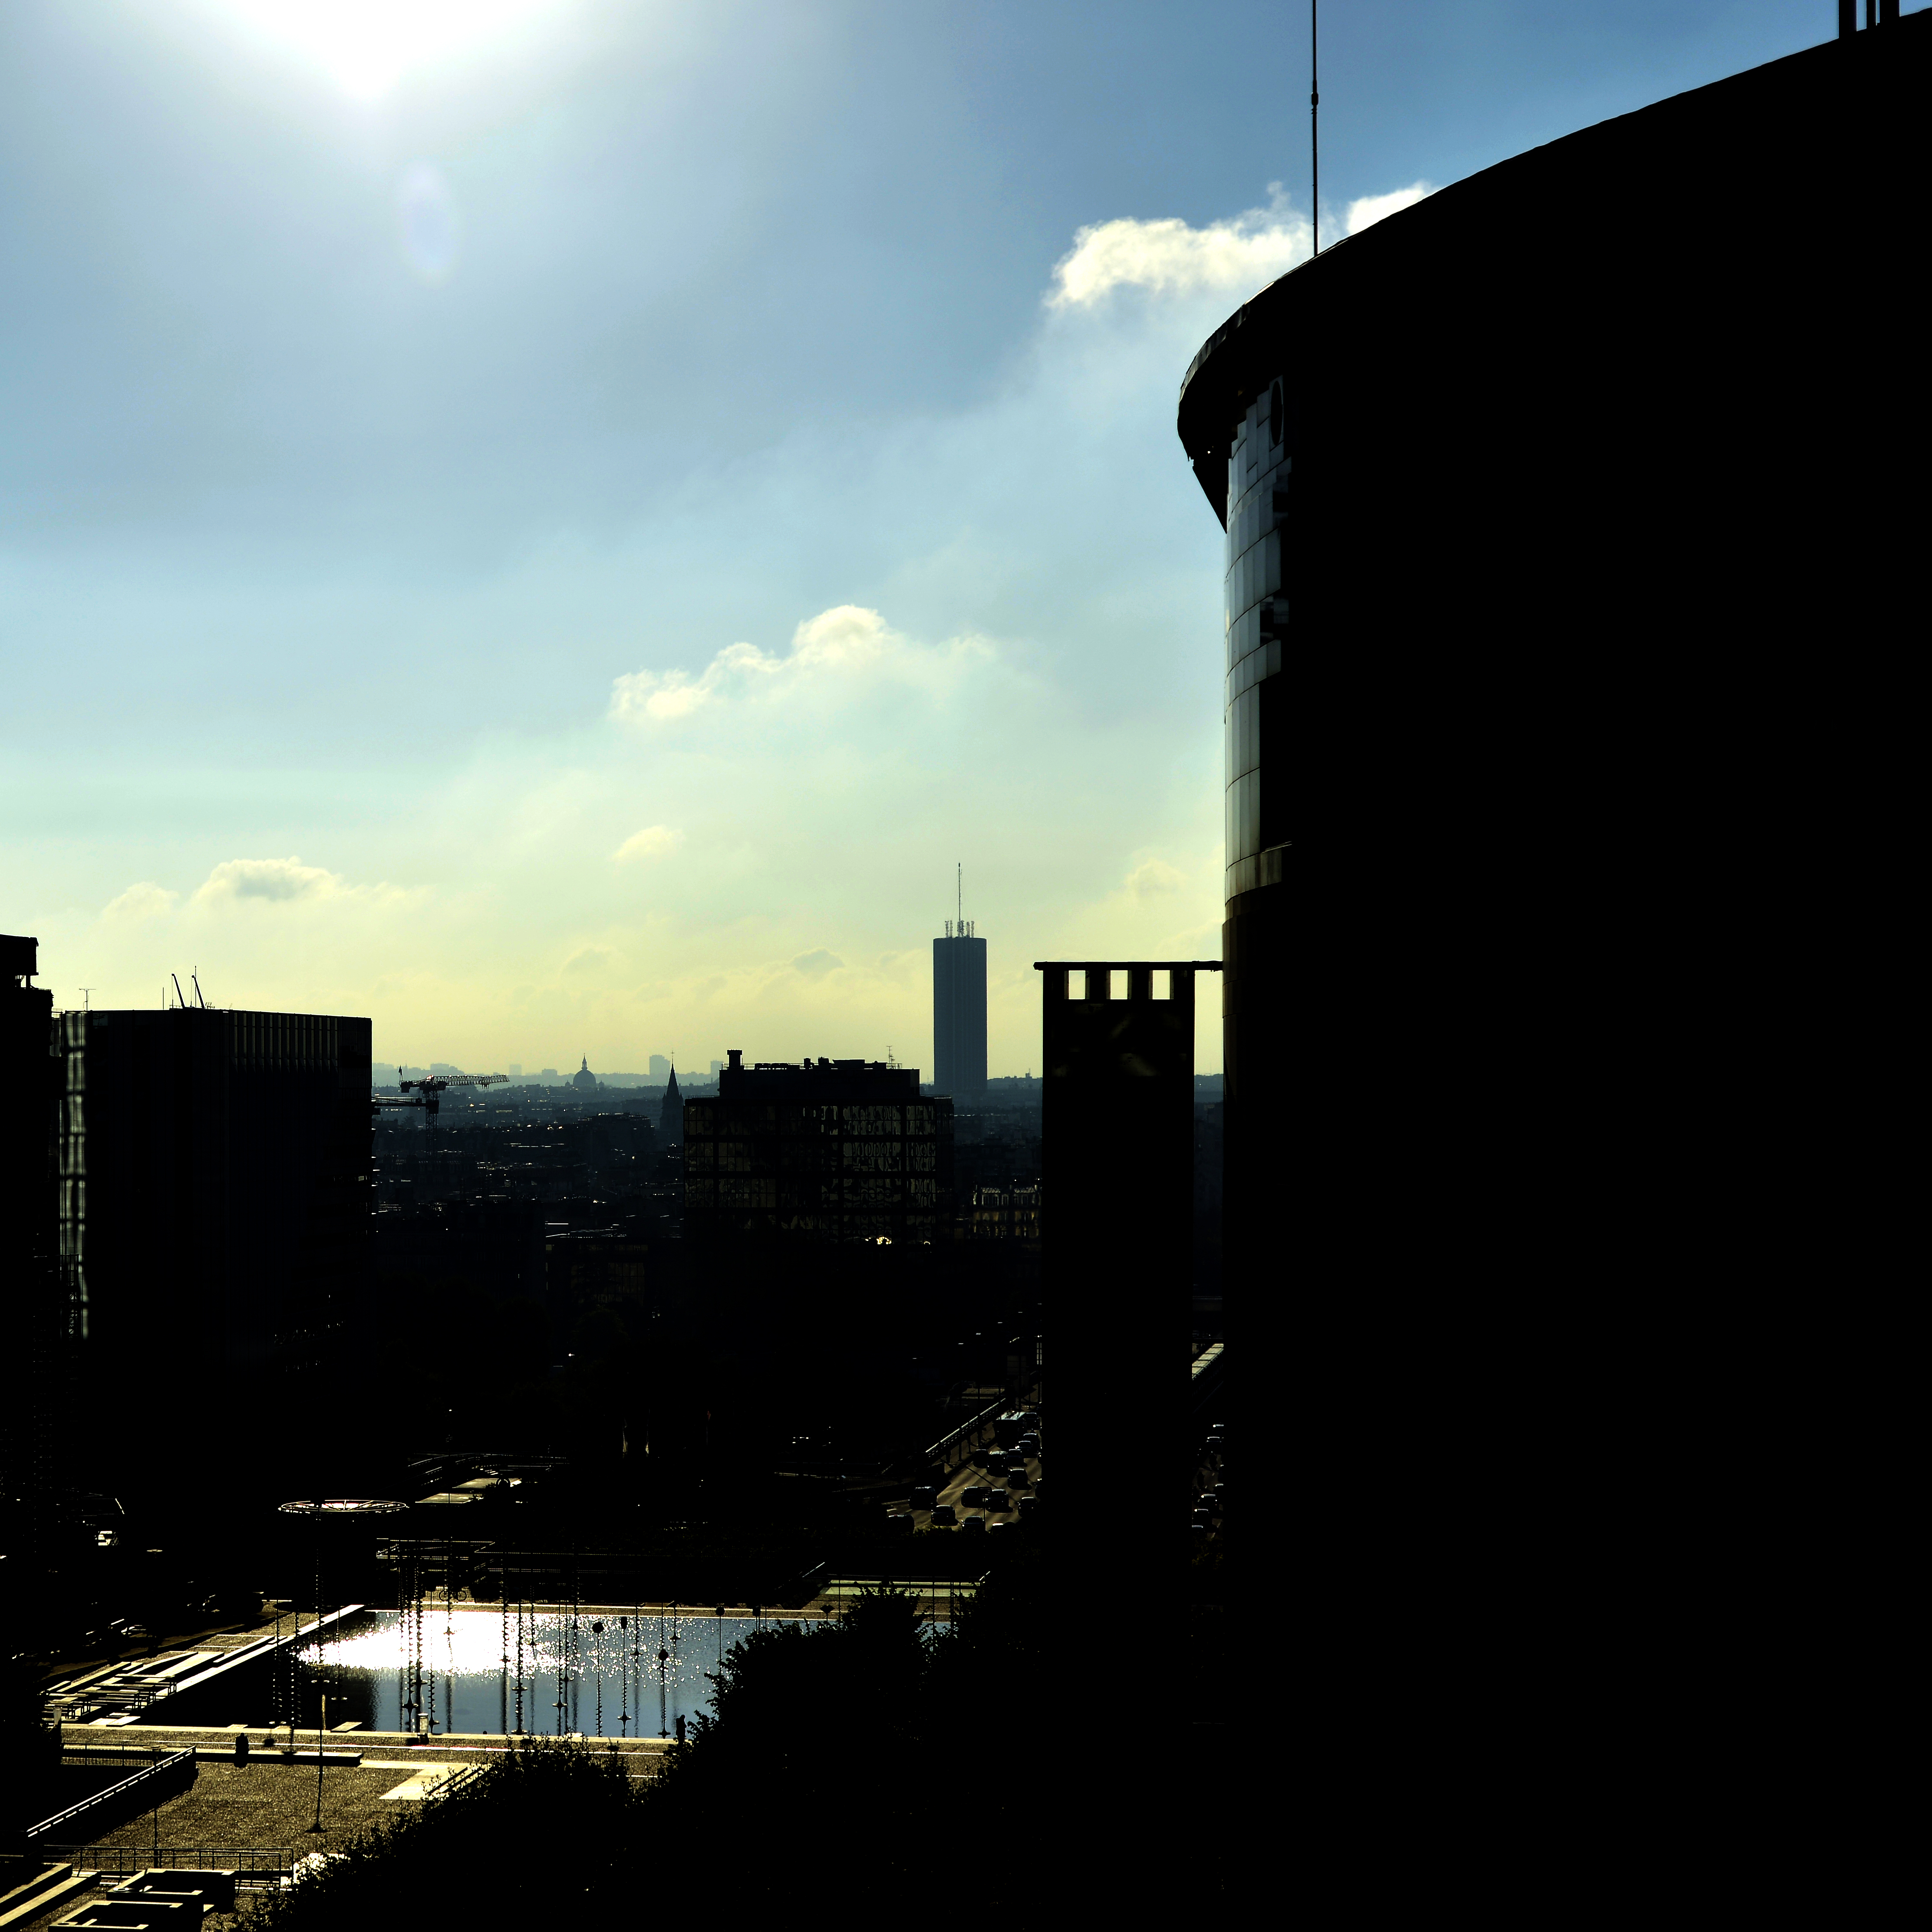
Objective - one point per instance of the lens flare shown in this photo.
(426, 220)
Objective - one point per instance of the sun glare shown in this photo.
(367, 45)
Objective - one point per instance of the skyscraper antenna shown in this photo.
(1314, 114)
(959, 891)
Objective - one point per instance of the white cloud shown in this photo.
(145, 901)
(652, 842)
(1240, 256)
(815, 965)
(589, 959)
(1168, 257)
(846, 642)
(267, 879)
(1154, 876)
(1371, 208)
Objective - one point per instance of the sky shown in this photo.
(558, 527)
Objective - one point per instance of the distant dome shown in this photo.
(584, 1080)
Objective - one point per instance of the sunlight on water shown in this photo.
(469, 1673)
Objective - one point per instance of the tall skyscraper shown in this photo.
(959, 1013)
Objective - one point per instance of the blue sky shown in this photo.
(556, 526)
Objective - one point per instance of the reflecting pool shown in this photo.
(601, 1673)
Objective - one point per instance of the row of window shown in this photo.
(1254, 574)
(728, 1192)
(832, 1118)
(1244, 738)
(1255, 511)
(1249, 669)
(1242, 825)
(1259, 443)
(748, 1156)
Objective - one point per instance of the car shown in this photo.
(1019, 1479)
(974, 1523)
(924, 1496)
(1028, 1505)
(943, 1516)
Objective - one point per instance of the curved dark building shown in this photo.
(1573, 529)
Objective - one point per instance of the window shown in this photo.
(1117, 983)
(1076, 982)
(1163, 983)
(1277, 412)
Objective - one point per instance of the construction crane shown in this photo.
(433, 1089)
(427, 1094)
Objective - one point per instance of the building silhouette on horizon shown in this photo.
(823, 1150)
(959, 1013)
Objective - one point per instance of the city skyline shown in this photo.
(452, 653)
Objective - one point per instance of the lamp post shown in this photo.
(316, 1509)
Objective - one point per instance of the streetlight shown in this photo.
(316, 1509)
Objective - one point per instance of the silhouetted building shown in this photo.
(670, 1115)
(29, 1391)
(1568, 580)
(959, 1013)
(584, 1080)
(830, 1150)
(1117, 1156)
(214, 1198)
(1117, 1151)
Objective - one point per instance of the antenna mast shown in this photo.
(1315, 113)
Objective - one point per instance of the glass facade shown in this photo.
(1259, 467)
(839, 1151)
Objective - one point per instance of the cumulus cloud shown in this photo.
(1168, 257)
(1240, 256)
(267, 879)
(145, 901)
(815, 965)
(589, 959)
(1371, 208)
(847, 643)
(1152, 877)
(652, 842)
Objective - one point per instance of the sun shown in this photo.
(367, 45)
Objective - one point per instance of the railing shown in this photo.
(253, 1864)
(946, 1444)
(174, 1771)
(70, 1706)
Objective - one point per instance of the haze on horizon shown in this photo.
(556, 526)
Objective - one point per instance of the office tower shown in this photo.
(660, 1067)
(214, 1203)
(1568, 587)
(31, 1386)
(959, 1014)
(1117, 1175)
(825, 1151)
(1116, 1223)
